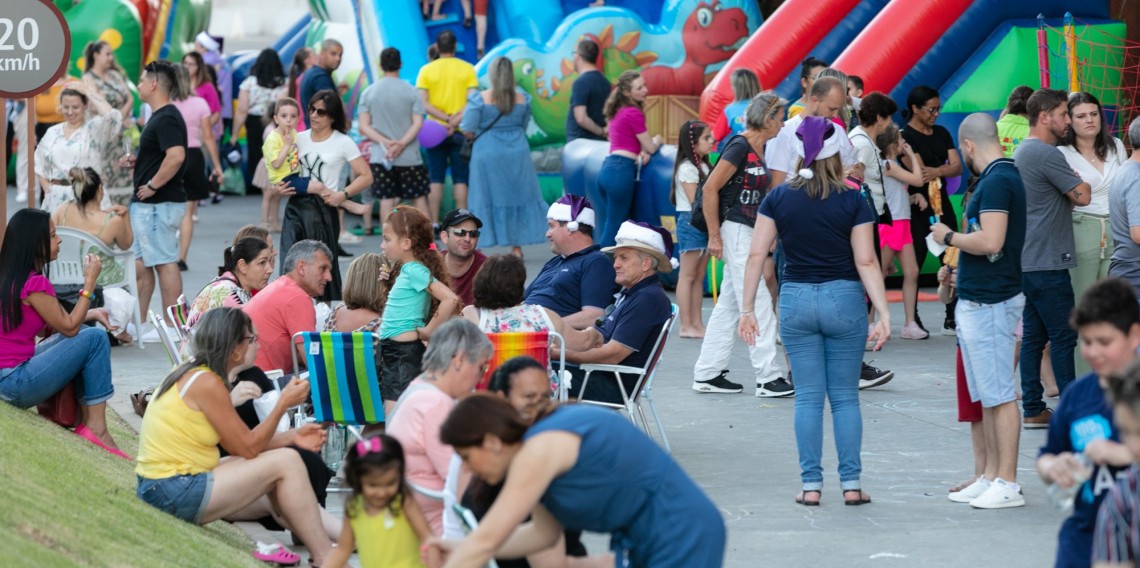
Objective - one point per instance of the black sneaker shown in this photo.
(217, 198)
(949, 327)
(872, 377)
(718, 384)
(778, 388)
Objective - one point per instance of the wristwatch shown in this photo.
(946, 239)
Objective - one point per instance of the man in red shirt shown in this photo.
(460, 234)
(285, 306)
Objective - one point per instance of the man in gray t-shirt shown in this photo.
(1124, 214)
(391, 115)
(1051, 191)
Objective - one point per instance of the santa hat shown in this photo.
(208, 41)
(816, 139)
(645, 237)
(574, 210)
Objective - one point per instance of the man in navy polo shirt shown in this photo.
(631, 326)
(578, 283)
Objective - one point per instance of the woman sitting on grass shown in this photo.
(31, 373)
(179, 466)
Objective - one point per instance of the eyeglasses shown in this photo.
(250, 338)
(318, 111)
(933, 109)
(473, 233)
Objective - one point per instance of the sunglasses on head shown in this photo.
(473, 233)
(318, 111)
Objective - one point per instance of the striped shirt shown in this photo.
(1117, 536)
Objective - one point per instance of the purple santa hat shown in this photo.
(815, 140)
(574, 210)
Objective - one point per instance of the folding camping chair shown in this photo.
(642, 390)
(343, 380)
(533, 343)
(178, 314)
(169, 340)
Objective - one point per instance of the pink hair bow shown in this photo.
(364, 447)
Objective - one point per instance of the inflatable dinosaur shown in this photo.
(692, 38)
(711, 35)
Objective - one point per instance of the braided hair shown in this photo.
(691, 132)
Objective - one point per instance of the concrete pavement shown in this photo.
(741, 449)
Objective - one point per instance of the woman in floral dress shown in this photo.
(75, 142)
(104, 76)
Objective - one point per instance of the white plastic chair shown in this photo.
(169, 339)
(642, 390)
(67, 268)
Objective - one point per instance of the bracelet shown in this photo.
(85, 294)
(747, 313)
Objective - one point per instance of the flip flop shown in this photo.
(275, 553)
(801, 499)
(140, 400)
(862, 500)
(84, 432)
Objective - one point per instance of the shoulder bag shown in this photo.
(884, 218)
(469, 143)
(698, 214)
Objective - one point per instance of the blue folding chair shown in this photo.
(343, 380)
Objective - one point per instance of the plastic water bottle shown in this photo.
(1063, 498)
(334, 449)
(975, 226)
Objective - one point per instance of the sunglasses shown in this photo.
(318, 111)
(473, 233)
(933, 109)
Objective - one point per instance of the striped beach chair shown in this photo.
(535, 344)
(343, 379)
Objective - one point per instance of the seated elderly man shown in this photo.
(633, 322)
(285, 307)
(578, 283)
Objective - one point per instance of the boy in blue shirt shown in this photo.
(1107, 318)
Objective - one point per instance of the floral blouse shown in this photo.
(523, 317)
(223, 292)
(117, 91)
(87, 147)
(330, 324)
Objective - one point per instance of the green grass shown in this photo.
(65, 502)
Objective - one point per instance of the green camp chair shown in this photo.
(343, 380)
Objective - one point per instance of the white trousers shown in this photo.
(720, 333)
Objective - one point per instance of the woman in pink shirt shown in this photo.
(630, 148)
(31, 373)
(455, 361)
(198, 114)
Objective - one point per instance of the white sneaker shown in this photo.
(912, 331)
(971, 491)
(349, 238)
(1000, 495)
(21, 196)
(148, 335)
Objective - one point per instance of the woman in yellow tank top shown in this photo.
(192, 411)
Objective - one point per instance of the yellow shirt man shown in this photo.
(447, 81)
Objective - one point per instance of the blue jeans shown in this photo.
(59, 360)
(1048, 303)
(616, 185)
(824, 329)
(184, 496)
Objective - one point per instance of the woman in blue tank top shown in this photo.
(581, 468)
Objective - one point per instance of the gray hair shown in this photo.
(306, 251)
(981, 129)
(330, 43)
(653, 262)
(767, 105)
(1134, 133)
(456, 336)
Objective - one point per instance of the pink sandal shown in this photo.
(275, 553)
(84, 432)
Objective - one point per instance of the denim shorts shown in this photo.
(443, 155)
(184, 496)
(688, 237)
(156, 231)
(986, 338)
